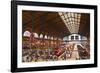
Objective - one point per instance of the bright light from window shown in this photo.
(26, 34)
(35, 35)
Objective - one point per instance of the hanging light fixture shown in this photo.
(45, 37)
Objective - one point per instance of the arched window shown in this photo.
(45, 37)
(48, 37)
(51, 38)
(35, 35)
(76, 37)
(41, 35)
(72, 37)
(26, 34)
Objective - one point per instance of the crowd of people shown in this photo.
(63, 52)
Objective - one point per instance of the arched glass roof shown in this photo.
(71, 20)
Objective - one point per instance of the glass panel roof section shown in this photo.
(71, 20)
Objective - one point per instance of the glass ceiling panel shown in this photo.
(71, 20)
